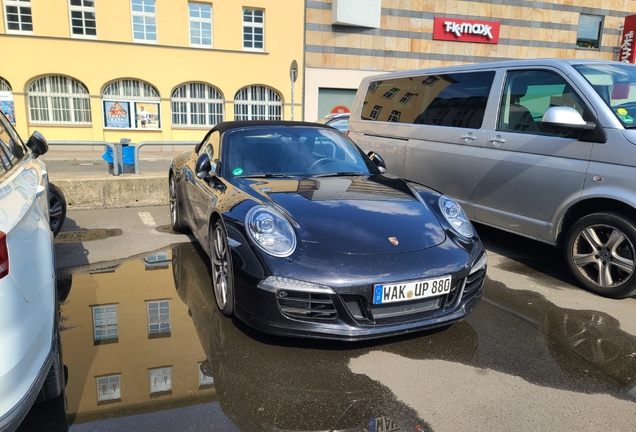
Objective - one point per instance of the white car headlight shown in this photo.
(270, 231)
(455, 216)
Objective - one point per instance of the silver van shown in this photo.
(542, 148)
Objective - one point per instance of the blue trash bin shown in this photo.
(128, 156)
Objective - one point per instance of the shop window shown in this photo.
(589, 32)
(6, 100)
(131, 104)
(18, 17)
(83, 22)
(144, 20)
(158, 318)
(108, 389)
(59, 100)
(105, 325)
(196, 105)
(257, 103)
(253, 29)
(200, 24)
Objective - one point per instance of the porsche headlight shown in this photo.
(455, 216)
(270, 231)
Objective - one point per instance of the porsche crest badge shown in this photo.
(393, 241)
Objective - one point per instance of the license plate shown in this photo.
(406, 291)
(382, 424)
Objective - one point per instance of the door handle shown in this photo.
(469, 137)
(497, 141)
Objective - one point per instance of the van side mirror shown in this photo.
(203, 166)
(565, 118)
(37, 143)
(378, 161)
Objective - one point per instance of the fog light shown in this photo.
(282, 294)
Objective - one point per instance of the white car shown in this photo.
(31, 368)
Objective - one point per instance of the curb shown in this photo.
(89, 191)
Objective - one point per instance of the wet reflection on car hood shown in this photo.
(147, 349)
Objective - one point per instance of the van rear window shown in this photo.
(455, 100)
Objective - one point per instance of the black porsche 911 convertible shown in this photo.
(309, 237)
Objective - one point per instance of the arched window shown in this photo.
(57, 99)
(131, 104)
(4, 85)
(196, 104)
(258, 103)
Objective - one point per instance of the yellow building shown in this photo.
(147, 69)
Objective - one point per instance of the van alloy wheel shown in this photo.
(600, 252)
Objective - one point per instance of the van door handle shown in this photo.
(469, 136)
(497, 141)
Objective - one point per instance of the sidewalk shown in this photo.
(85, 190)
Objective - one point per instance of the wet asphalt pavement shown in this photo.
(528, 358)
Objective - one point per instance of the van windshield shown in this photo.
(616, 84)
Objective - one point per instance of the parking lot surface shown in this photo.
(146, 349)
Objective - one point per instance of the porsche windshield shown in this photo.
(280, 151)
(616, 84)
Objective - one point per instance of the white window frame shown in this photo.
(375, 112)
(148, 18)
(258, 103)
(83, 10)
(19, 4)
(390, 93)
(108, 381)
(75, 101)
(155, 324)
(394, 116)
(253, 25)
(199, 21)
(108, 326)
(156, 376)
(4, 85)
(211, 107)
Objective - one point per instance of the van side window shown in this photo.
(393, 100)
(526, 97)
(455, 100)
(11, 149)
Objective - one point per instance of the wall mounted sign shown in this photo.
(340, 109)
(465, 30)
(626, 53)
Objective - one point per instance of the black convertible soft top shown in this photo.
(224, 126)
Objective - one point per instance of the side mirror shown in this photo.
(565, 118)
(378, 161)
(202, 168)
(37, 143)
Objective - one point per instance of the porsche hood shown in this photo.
(356, 215)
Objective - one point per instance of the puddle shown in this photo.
(166, 229)
(86, 235)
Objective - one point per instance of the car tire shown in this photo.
(55, 379)
(600, 252)
(222, 273)
(175, 217)
(57, 208)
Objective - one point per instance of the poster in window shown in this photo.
(147, 115)
(117, 114)
(6, 105)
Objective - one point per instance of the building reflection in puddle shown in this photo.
(129, 344)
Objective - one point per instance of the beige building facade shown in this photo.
(348, 39)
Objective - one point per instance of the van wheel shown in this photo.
(57, 208)
(599, 249)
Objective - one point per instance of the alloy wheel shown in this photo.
(220, 267)
(604, 255)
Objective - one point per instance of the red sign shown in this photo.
(464, 30)
(340, 109)
(626, 53)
